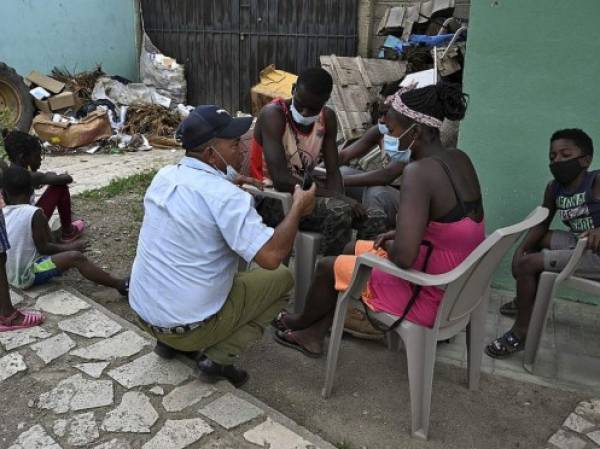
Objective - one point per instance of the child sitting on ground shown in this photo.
(575, 195)
(10, 317)
(25, 151)
(34, 258)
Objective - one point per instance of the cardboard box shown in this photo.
(95, 126)
(63, 100)
(42, 105)
(273, 83)
(46, 82)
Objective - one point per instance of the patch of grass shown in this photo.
(137, 183)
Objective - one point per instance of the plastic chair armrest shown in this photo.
(416, 277)
(284, 197)
(571, 266)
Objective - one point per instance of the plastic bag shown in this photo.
(132, 93)
(162, 73)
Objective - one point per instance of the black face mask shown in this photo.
(566, 171)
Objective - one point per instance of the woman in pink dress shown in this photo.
(439, 223)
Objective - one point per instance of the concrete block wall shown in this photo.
(370, 14)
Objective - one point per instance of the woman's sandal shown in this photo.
(278, 323)
(286, 338)
(504, 346)
(78, 227)
(30, 318)
(510, 308)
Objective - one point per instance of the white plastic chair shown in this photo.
(548, 284)
(464, 304)
(306, 248)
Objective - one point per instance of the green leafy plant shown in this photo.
(6, 122)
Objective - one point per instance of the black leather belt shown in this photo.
(179, 330)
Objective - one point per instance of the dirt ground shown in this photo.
(370, 405)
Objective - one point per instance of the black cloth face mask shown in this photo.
(566, 171)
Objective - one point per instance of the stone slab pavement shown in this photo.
(92, 171)
(581, 428)
(87, 378)
(569, 354)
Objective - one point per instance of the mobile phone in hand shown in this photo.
(307, 181)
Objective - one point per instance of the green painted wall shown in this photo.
(76, 34)
(533, 66)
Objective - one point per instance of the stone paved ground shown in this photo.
(569, 354)
(581, 429)
(87, 378)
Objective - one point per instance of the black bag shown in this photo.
(416, 289)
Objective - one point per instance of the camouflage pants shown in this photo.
(332, 218)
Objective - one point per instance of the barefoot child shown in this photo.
(34, 258)
(25, 151)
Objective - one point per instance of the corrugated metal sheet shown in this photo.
(224, 44)
(357, 82)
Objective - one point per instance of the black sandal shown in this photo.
(278, 323)
(504, 346)
(286, 338)
(510, 308)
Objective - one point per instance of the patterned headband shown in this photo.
(418, 117)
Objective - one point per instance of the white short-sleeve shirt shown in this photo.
(196, 224)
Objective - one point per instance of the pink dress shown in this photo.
(452, 243)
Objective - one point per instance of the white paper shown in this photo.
(423, 78)
(39, 93)
(93, 149)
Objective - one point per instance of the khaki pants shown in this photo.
(255, 299)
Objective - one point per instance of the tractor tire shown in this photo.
(14, 96)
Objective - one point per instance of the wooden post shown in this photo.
(365, 27)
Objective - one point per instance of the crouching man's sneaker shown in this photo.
(167, 352)
(164, 351)
(211, 372)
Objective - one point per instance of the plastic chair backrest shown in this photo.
(464, 294)
(284, 197)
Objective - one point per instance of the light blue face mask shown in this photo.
(231, 173)
(300, 119)
(383, 129)
(391, 146)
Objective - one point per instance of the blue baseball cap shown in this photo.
(209, 121)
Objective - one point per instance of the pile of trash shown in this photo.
(95, 112)
(428, 37)
(81, 84)
(424, 43)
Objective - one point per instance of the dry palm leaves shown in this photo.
(82, 84)
(151, 119)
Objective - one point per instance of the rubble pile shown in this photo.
(93, 111)
(422, 43)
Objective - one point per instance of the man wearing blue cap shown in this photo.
(184, 285)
